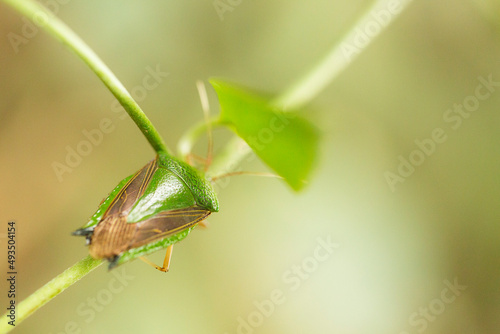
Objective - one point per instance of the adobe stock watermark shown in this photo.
(453, 118)
(223, 6)
(419, 320)
(88, 310)
(94, 137)
(293, 279)
(373, 25)
(30, 28)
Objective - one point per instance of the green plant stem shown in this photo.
(187, 141)
(318, 78)
(341, 55)
(53, 25)
(232, 154)
(41, 296)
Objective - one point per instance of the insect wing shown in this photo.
(134, 189)
(167, 223)
(130, 189)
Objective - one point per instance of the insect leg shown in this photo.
(166, 262)
(203, 224)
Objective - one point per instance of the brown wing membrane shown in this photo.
(134, 189)
(114, 235)
(166, 224)
(111, 237)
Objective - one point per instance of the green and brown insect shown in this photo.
(150, 210)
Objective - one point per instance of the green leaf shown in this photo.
(284, 141)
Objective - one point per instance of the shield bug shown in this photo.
(150, 210)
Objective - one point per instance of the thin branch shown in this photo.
(188, 140)
(43, 295)
(340, 56)
(235, 151)
(374, 20)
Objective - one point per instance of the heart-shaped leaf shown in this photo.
(285, 141)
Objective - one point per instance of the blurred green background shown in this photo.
(397, 248)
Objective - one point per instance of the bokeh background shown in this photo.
(396, 248)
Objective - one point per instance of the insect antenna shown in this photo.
(263, 174)
(202, 92)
